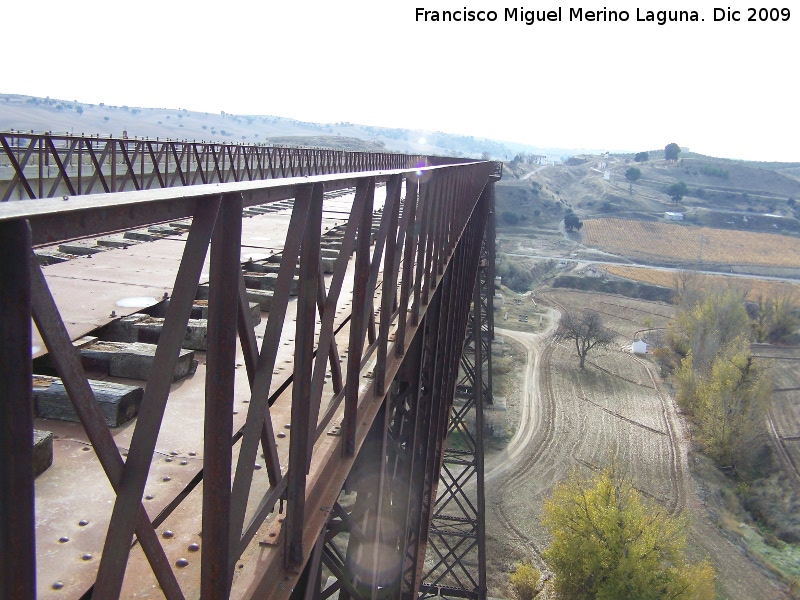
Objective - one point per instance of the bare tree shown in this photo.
(586, 330)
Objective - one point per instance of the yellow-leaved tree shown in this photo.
(729, 400)
(610, 543)
(720, 385)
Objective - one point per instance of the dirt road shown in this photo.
(530, 413)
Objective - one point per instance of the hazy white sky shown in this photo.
(721, 88)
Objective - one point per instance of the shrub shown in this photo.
(524, 581)
(611, 542)
(714, 172)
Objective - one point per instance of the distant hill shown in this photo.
(28, 113)
(721, 193)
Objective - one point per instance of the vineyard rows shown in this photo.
(671, 242)
(752, 288)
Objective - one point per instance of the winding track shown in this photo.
(535, 434)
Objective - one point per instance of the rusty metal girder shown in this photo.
(48, 166)
(407, 299)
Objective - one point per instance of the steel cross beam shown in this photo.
(407, 303)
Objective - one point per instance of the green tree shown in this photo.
(571, 221)
(511, 218)
(677, 191)
(632, 175)
(610, 543)
(641, 157)
(671, 151)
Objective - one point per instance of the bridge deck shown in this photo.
(87, 290)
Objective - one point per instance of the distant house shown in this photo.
(673, 216)
(639, 347)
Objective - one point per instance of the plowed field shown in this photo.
(784, 418)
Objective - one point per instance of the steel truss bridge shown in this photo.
(355, 470)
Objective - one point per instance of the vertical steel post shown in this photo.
(220, 372)
(299, 447)
(17, 531)
(358, 322)
(480, 517)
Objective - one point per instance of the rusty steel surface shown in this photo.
(89, 289)
(348, 385)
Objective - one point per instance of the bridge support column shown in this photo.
(17, 530)
(456, 560)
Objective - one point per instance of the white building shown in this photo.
(639, 347)
(673, 216)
